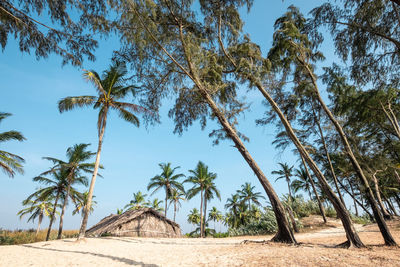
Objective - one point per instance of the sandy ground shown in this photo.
(316, 249)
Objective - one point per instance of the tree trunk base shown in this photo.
(349, 244)
(284, 238)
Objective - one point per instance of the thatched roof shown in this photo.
(112, 221)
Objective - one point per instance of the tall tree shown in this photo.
(111, 88)
(75, 165)
(193, 217)
(210, 191)
(248, 195)
(9, 162)
(176, 45)
(175, 197)
(166, 180)
(38, 209)
(285, 173)
(214, 215)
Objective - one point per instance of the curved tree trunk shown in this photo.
(387, 236)
(82, 230)
(39, 223)
(354, 200)
(52, 215)
(321, 207)
(385, 213)
(60, 228)
(328, 157)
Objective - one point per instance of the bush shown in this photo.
(221, 235)
(364, 219)
(330, 212)
(265, 225)
(20, 236)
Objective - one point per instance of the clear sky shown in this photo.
(31, 90)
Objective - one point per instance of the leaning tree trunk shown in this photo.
(60, 228)
(387, 236)
(321, 207)
(328, 157)
(289, 207)
(52, 215)
(352, 237)
(354, 200)
(88, 205)
(39, 223)
(385, 213)
(201, 212)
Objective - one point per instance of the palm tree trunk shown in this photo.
(82, 230)
(387, 236)
(385, 213)
(60, 228)
(39, 223)
(328, 157)
(352, 237)
(290, 191)
(166, 199)
(201, 213)
(174, 210)
(52, 215)
(205, 216)
(390, 205)
(321, 207)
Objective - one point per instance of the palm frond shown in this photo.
(11, 135)
(72, 102)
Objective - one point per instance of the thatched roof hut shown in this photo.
(136, 223)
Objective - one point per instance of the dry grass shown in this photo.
(18, 237)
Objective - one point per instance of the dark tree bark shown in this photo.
(53, 215)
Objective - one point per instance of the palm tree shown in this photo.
(10, 163)
(194, 217)
(175, 197)
(247, 195)
(38, 209)
(209, 191)
(82, 203)
(285, 173)
(110, 89)
(137, 202)
(214, 215)
(56, 188)
(302, 183)
(233, 204)
(167, 180)
(155, 204)
(201, 179)
(77, 155)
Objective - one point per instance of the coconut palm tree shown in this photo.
(214, 215)
(10, 163)
(209, 191)
(80, 205)
(193, 217)
(167, 180)
(234, 205)
(138, 201)
(38, 209)
(56, 187)
(201, 179)
(111, 88)
(175, 197)
(76, 164)
(302, 183)
(248, 195)
(285, 173)
(155, 204)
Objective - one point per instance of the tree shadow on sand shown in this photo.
(120, 259)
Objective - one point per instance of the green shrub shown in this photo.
(265, 225)
(364, 219)
(221, 235)
(330, 212)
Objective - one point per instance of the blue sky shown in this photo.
(31, 90)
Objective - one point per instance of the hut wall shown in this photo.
(147, 225)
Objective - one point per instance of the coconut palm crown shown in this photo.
(10, 163)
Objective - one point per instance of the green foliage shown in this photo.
(265, 225)
(302, 208)
(221, 235)
(364, 219)
(330, 212)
